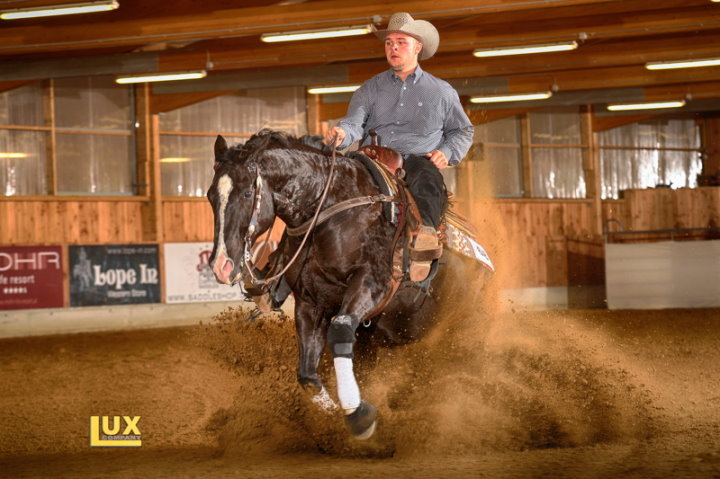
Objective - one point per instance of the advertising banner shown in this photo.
(31, 277)
(188, 278)
(114, 274)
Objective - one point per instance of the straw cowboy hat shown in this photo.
(421, 30)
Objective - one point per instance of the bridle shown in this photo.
(253, 225)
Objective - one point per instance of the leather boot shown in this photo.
(425, 240)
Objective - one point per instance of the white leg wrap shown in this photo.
(348, 391)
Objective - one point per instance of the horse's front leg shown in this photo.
(363, 295)
(311, 333)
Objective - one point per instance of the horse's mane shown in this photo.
(267, 138)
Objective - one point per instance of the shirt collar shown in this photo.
(413, 77)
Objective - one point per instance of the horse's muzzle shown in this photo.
(223, 268)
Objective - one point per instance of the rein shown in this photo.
(337, 208)
(310, 226)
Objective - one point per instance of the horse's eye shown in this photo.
(247, 194)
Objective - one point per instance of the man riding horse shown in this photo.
(418, 115)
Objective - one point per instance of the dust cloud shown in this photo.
(478, 382)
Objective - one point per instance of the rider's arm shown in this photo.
(357, 115)
(457, 131)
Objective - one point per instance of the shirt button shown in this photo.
(402, 104)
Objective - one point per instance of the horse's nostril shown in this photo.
(227, 268)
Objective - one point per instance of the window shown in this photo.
(95, 142)
(553, 155)
(82, 142)
(187, 134)
(650, 154)
(23, 141)
(498, 149)
(556, 151)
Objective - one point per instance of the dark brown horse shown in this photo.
(342, 275)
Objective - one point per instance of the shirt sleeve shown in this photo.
(457, 131)
(358, 112)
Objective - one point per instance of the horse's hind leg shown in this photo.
(311, 334)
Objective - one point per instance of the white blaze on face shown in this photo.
(224, 187)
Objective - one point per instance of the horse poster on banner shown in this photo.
(31, 277)
(114, 274)
(189, 278)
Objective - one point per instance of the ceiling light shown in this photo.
(315, 34)
(525, 49)
(62, 9)
(172, 159)
(511, 97)
(646, 106)
(702, 62)
(13, 155)
(168, 76)
(324, 90)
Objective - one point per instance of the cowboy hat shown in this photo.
(421, 30)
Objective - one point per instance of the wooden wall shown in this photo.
(559, 243)
(187, 220)
(533, 242)
(46, 221)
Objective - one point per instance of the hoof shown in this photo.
(362, 421)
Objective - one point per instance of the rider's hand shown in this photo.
(332, 133)
(438, 159)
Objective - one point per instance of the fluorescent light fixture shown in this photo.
(61, 9)
(646, 106)
(324, 90)
(702, 62)
(525, 49)
(13, 155)
(315, 34)
(172, 159)
(511, 97)
(167, 76)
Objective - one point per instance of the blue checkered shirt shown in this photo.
(415, 116)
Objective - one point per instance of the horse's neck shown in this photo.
(298, 183)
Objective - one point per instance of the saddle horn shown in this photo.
(374, 138)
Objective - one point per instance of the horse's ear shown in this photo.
(220, 148)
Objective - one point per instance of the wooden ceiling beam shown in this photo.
(609, 53)
(606, 25)
(591, 54)
(608, 122)
(173, 101)
(11, 85)
(479, 116)
(246, 21)
(611, 77)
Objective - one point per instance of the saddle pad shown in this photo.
(461, 240)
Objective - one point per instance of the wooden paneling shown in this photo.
(556, 242)
(187, 220)
(663, 208)
(711, 141)
(43, 222)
